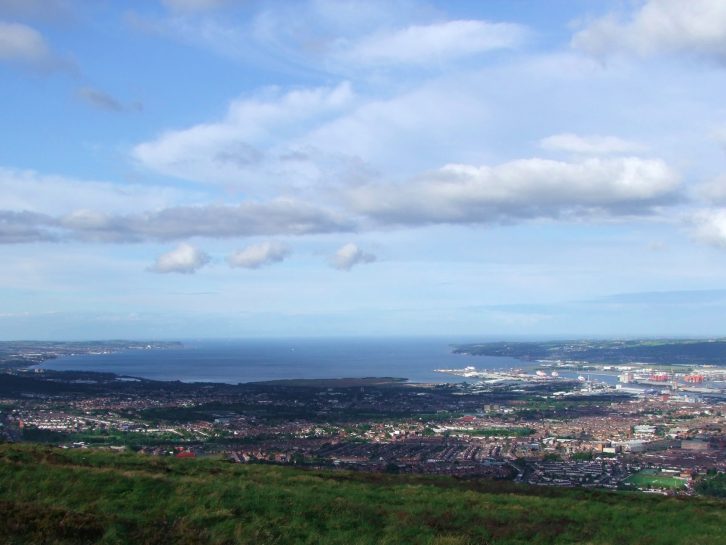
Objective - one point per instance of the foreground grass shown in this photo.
(55, 496)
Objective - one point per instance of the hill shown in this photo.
(653, 351)
(56, 496)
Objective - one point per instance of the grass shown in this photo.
(56, 496)
(650, 478)
(713, 485)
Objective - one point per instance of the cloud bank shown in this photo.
(277, 217)
(527, 188)
(25, 227)
(458, 193)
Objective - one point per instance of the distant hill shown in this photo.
(656, 351)
(56, 496)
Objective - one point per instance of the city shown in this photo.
(643, 433)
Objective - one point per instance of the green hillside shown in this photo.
(79, 496)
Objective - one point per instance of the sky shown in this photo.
(238, 168)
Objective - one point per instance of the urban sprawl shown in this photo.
(656, 428)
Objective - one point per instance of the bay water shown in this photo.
(248, 360)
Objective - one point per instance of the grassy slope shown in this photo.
(61, 496)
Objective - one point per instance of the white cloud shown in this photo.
(22, 43)
(185, 259)
(349, 255)
(324, 136)
(60, 195)
(341, 37)
(520, 189)
(590, 144)
(659, 26)
(246, 145)
(26, 46)
(257, 255)
(433, 43)
(713, 191)
(709, 226)
(399, 130)
(318, 30)
(443, 120)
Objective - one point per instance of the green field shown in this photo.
(56, 496)
(651, 478)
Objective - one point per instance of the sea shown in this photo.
(251, 360)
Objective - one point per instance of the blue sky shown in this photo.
(212, 168)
